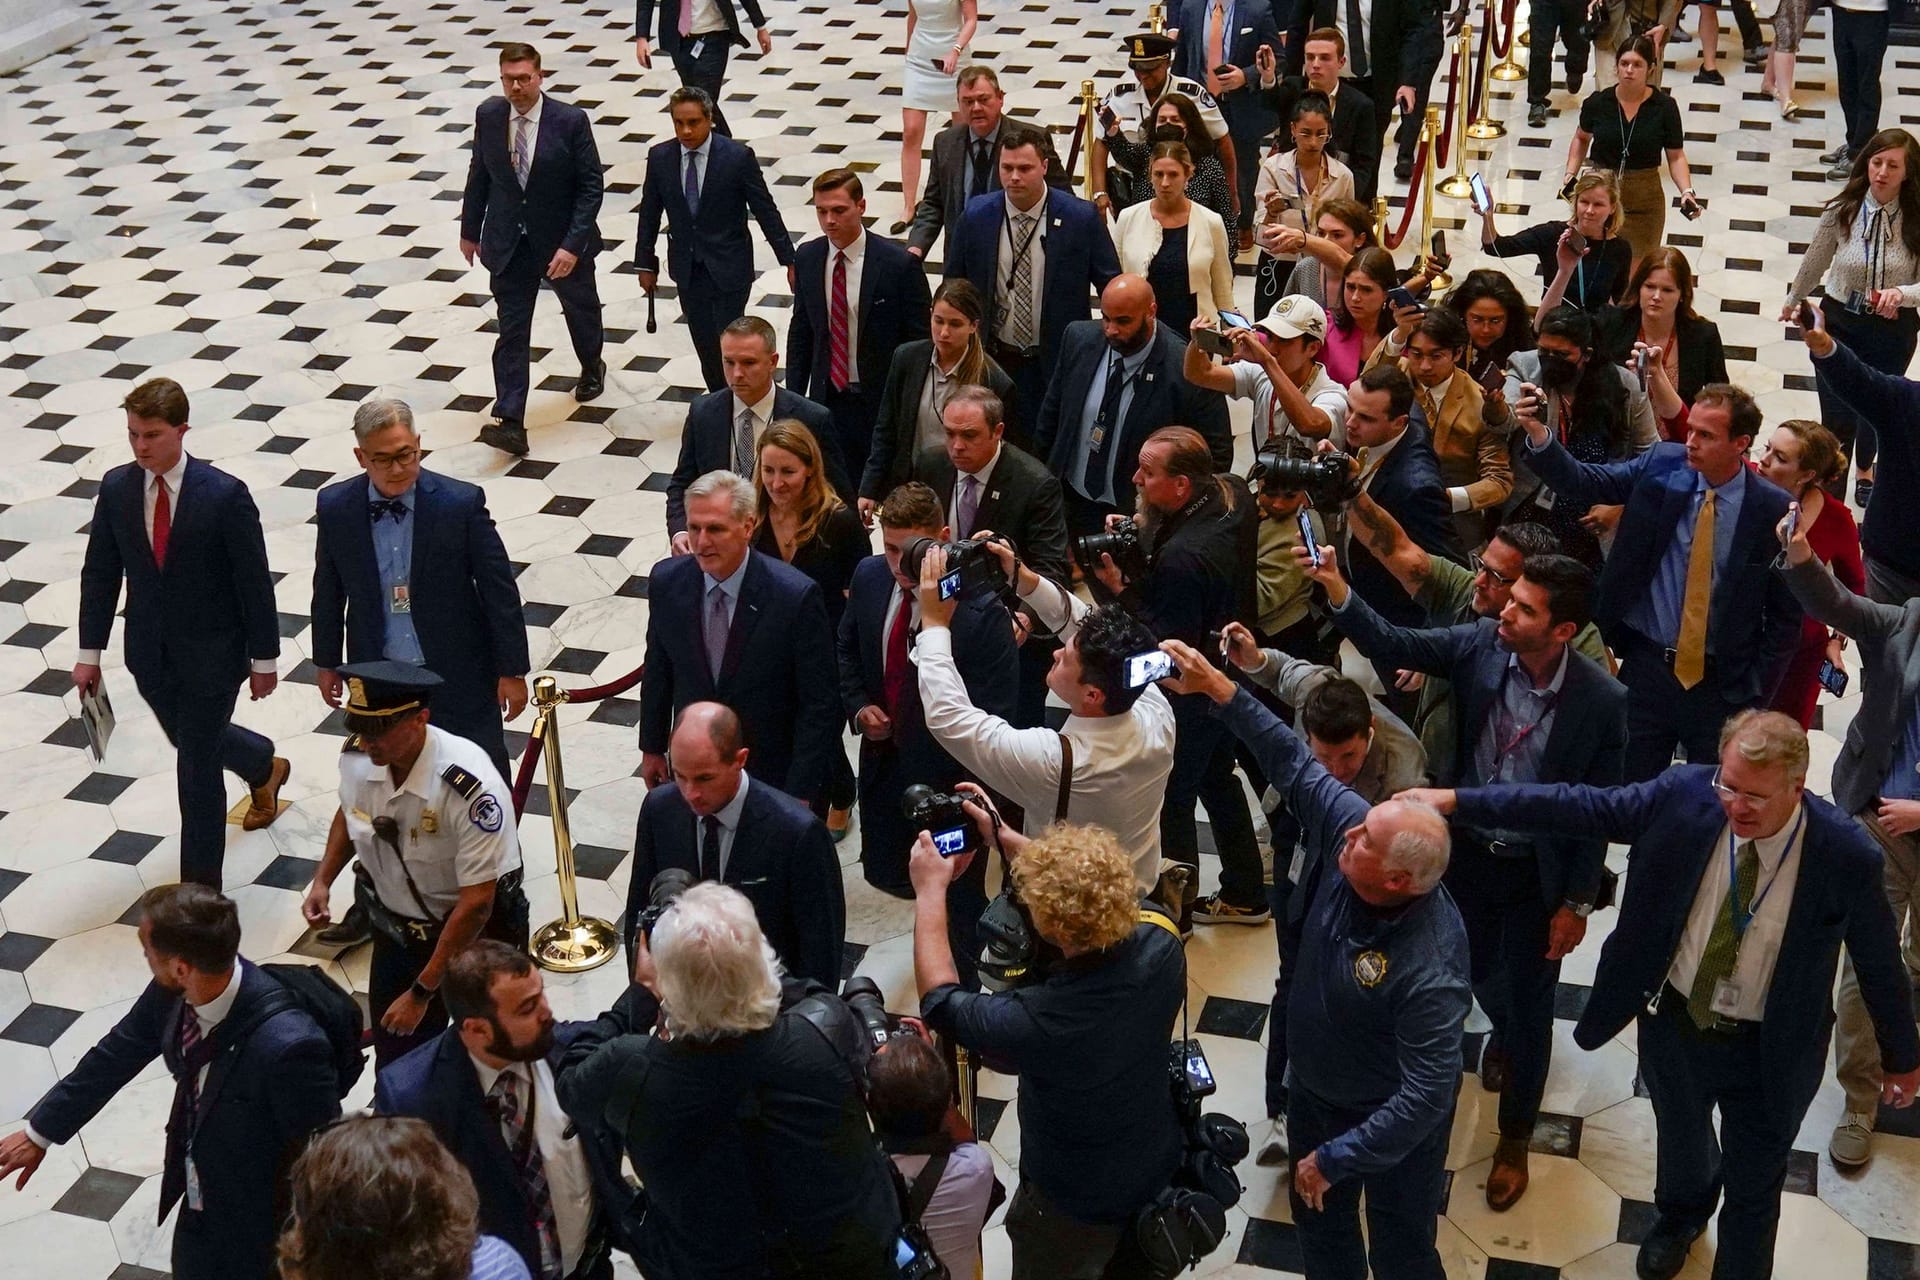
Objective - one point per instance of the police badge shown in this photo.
(1370, 969)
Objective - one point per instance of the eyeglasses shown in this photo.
(1311, 135)
(1481, 566)
(388, 461)
(1729, 794)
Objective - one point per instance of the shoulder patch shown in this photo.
(486, 814)
(352, 747)
(462, 781)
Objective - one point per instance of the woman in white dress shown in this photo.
(938, 32)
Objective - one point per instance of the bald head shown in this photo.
(1399, 852)
(1127, 312)
(707, 756)
(709, 728)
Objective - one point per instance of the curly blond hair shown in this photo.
(1078, 883)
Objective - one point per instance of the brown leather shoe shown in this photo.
(1495, 1066)
(1508, 1180)
(266, 797)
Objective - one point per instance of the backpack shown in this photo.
(307, 988)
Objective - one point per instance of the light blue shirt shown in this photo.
(393, 552)
(1903, 779)
(973, 140)
(728, 816)
(729, 586)
(701, 154)
(1657, 615)
(1090, 412)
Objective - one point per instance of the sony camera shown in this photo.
(662, 892)
(942, 815)
(971, 568)
(1123, 542)
(862, 995)
(1329, 479)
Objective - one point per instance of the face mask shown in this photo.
(1558, 371)
(1169, 133)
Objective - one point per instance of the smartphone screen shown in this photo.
(1399, 297)
(1234, 320)
(1144, 668)
(1494, 379)
(1793, 523)
(949, 841)
(1482, 199)
(1307, 538)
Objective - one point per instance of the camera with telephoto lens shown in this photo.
(1123, 542)
(941, 814)
(1328, 479)
(662, 892)
(971, 568)
(862, 995)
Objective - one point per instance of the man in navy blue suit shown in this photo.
(698, 35)
(856, 298)
(1742, 888)
(555, 1194)
(408, 566)
(708, 183)
(723, 427)
(530, 213)
(185, 538)
(1688, 600)
(253, 1078)
(1036, 254)
(716, 822)
(1229, 33)
(727, 624)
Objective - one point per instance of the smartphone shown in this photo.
(1832, 678)
(1213, 342)
(1398, 297)
(1144, 668)
(1482, 198)
(1223, 69)
(948, 841)
(1576, 241)
(1234, 320)
(1439, 247)
(1689, 208)
(1640, 367)
(1494, 379)
(1806, 316)
(1307, 537)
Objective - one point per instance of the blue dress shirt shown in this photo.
(393, 552)
(1090, 410)
(1657, 616)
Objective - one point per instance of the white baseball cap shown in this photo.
(1296, 316)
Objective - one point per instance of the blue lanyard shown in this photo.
(1580, 278)
(1742, 919)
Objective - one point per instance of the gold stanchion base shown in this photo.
(1456, 187)
(585, 944)
(1526, 39)
(1439, 284)
(1509, 70)
(1486, 127)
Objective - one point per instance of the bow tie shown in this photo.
(387, 507)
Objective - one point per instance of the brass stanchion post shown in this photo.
(1090, 139)
(1484, 126)
(1458, 186)
(1440, 282)
(1509, 67)
(574, 943)
(1156, 18)
(1380, 221)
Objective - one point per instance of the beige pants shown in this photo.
(1856, 1052)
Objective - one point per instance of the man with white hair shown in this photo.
(1378, 1005)
(742, 1111)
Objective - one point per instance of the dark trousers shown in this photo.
(1886, 345)
(198, 721)
(1048, 1245)
(1545, 20)
(1286, 933)
(470, 712)
(393, 968)
(1506, 919)
(853, 413)
(708, 309)
(1688, 1072)
(1859, 47)
(1661, 715)
(1403, 1203)
(1888, 585)
(1084, 516)
(516, 286)
(1203, 772)
(1036, 659)
(1029, 374)
(706, 70)
(1407, 136)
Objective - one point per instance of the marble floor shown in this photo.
(258, 199)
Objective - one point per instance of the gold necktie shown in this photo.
(1428, 410)
(1690, 653)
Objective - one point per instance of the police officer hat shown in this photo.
(1148, 47)
(378, 693)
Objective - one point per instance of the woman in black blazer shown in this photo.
(804, 524)
(923, 377)
(1685, 352)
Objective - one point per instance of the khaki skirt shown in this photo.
(1643, 198)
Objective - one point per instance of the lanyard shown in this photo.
(1020, 252)
(1626, 130)
(1742, 919)
(1501, 753)
(1580, 282)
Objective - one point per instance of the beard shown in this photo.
(1146, 516)
(501, 1046)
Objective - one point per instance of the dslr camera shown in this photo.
(1122, 542)
(662, 892)
(971, 568)
(940, 814)
(1328, 479)
(862, 995)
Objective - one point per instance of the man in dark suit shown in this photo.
(530, 213)
(1699, 636)
(709, 184)
(1393, 66)
(1117, 381)
(1230, 33)
(1743, 889)
(1356, 137)
(1034, 254)
(253, 1078)
(717, 823)
(1531, 709)
(880, 693)
(723, 427)
(408, 566)
(856, 298)
(726, 624)
(549, 1183)
(966, 159)
(698, 35)
(185, 538)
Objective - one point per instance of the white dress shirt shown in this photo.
(1377, 458)
(762, 411)
(701, 154)
(533, 131)
(856, 254)
(1003, 268)
(1120, 762)
(981, 479)
(1760, 946)
(565, 1160)
(707, 18)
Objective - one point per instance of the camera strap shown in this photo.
(1066, 779)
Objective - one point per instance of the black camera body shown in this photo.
(662, 892)
(1123, 542)
(1191, 1075)
(971, 568)
(1328, 479)
(862, 995)
(943, 816)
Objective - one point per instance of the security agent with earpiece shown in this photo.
(431, 823)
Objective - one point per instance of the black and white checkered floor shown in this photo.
(259, 201)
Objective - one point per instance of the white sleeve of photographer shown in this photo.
(1022, 764)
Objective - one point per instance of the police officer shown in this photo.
(1129, 107)
(431, 822)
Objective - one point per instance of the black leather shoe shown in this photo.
(354, 928)
(1574, 80)
(1664, 1251)
(509, 435)
(1495, 1069)
(1705, 76)
(1755, 59)
(1403, 168)
(1536, 115)
(592, 382)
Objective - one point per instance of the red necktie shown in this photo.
(837, 324)
(895, 675)
(162, 523)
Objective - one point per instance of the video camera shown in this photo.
(662, 892)
(942, 815)
(971, 568)
(1328, 479)
(1123, 542)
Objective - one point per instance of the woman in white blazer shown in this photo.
(1179, 246)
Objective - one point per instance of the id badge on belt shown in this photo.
(195, 1200)
(399, 601)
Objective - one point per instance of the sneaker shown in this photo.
(1709, 75)
(1213, 909)
(1840, 152)
(1273, 1145)
(1754, 59)
(1852, 1143)
(1841, 170)
(1536, 115)
(1862, 493)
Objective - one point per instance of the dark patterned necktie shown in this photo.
(516, 1126)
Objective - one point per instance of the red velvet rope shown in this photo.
(1443, 147)
(1504, 45)
(1479, 81)
(612, 689)
(523, 781)
(1420, 157)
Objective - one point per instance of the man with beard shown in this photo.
(549, 1184)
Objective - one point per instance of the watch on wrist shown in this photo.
(1581, 909)
(422, 993)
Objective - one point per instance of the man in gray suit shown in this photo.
(1877, 779)
(966, 159)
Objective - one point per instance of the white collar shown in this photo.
(762, 410)
(1038, 211)
(425, 769)
(981, 475)
(855, 252)
(1773, 849)
(728, 814)
(532, 113)
(488, 1075)
(172, 475)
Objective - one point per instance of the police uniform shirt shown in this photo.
(1129, 102)
(455, 820)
